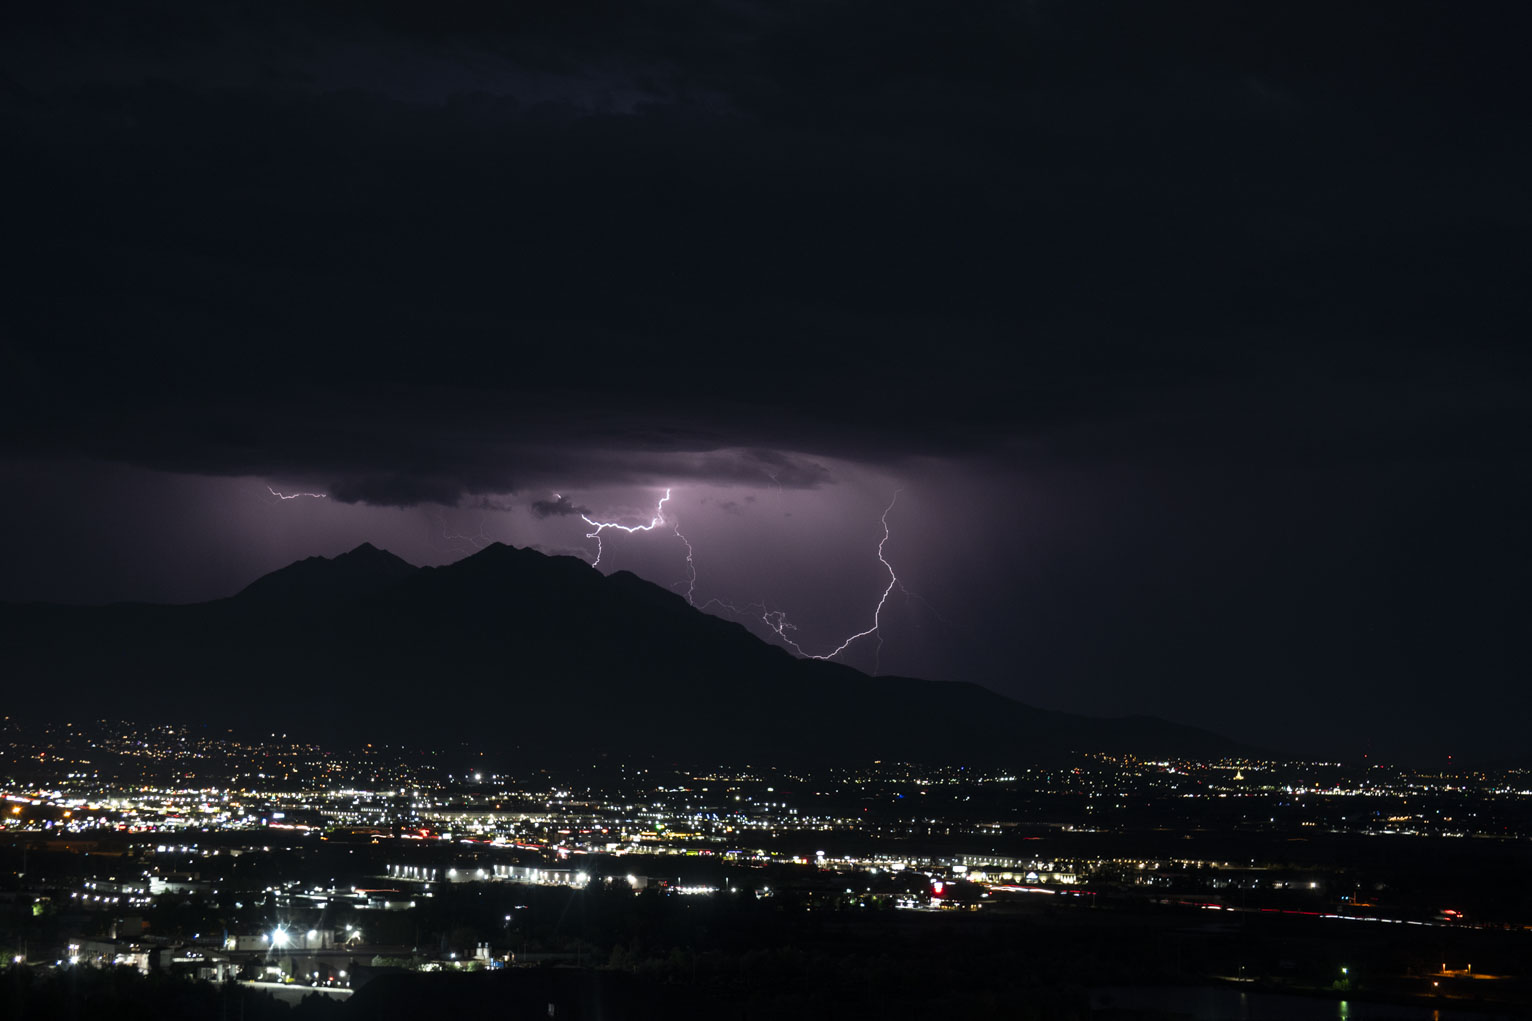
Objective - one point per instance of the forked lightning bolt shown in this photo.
(294, 496)
(691, 565)
(460, 543)
(601, 526)
(777, 619)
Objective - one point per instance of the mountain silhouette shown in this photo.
(525, 655)
(362, 570)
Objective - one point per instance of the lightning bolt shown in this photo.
(691, 565)
(459, 543)
(294, 496)
(655, 522)
(777, 619)
(601, 526)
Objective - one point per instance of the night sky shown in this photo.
(1192, 337)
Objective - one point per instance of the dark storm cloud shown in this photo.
(561, 507)
(487, 503)
(1199, 328)
(397, 490)
(734, 507)
(417, 251)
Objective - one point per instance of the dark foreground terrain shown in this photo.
(667, 959)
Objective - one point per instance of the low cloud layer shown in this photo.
(561, 506)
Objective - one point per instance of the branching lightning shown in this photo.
(691, 564)
(294, 496)
(601, 526)
(655, 522)
(460, 543)
(775, 620)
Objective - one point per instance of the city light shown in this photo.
(542, 830)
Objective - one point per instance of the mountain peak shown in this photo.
(499, 555)
(365, 552)
(358, 571)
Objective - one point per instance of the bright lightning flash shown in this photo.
(601, 526)
(294, 496)
(776, 620)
